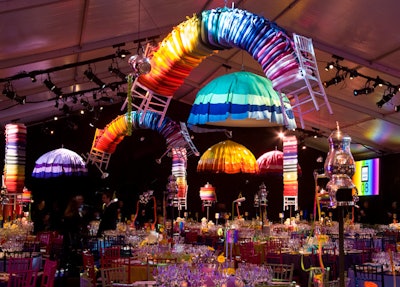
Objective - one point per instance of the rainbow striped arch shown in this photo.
(117, 129)
(223, 28)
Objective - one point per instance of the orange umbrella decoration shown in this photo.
(272, 163)
(228, 157)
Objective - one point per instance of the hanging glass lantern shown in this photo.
(340, 167)
(263, 194)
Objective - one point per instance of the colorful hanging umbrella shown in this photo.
(272, 162)
(228, 157)
(241, 99)
(59, 162)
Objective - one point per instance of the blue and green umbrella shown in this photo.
(243, 99)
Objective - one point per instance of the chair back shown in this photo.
(108, 255)
(318, 274)
(112, 275)
(19, 264)
(282, 274)
(89, 266)
(368, 273)
(273, 251)
(24, 278)
(49, 273)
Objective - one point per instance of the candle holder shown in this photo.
(216, 218)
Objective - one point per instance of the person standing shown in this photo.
(109, 216)
(72, 225)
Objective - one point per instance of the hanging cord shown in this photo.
(129, 95)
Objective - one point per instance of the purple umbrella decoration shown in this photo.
(59, 162)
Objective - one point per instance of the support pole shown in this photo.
(341, 246)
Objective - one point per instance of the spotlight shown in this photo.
(397, 108)
(33, 77)
(12, 95)
(122, 94)
(353, 74)
(329, 66)
(378, 82)
(49, 84)
(65, 109)
(121, 53)
(334, 81)
(380, 103)
(363, 91)
(117, 72)
(385, 98)
(93, 78)
(87, 105)
(106, 100)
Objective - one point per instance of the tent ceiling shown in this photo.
(43, 34)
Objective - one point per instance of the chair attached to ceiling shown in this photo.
(305, 87)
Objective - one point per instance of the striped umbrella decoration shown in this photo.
(227, 157)
(272, 163)
(59, 162)
(241, 99)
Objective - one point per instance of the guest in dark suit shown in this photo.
(109, 216)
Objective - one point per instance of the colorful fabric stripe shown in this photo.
(117, 129)
(290, 184)
(202, 35)
(15, 157)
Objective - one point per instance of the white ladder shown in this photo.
(307, 88)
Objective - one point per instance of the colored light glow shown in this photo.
(366, 176)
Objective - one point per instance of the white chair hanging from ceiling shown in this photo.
(143, 99)
(307, 86)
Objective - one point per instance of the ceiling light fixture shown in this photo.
(65, 109)
(52, 87)
(87, 105)
(33, 77)
(371, 83)
(397, 108)
(121, 53)
(117, 72)
(329, 66)
(93, 78)
(386, 98)
(363, 91)
(9, 92)
(334, 81)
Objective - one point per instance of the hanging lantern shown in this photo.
(262, 194)
(339, 167)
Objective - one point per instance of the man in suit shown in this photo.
(109, 216)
